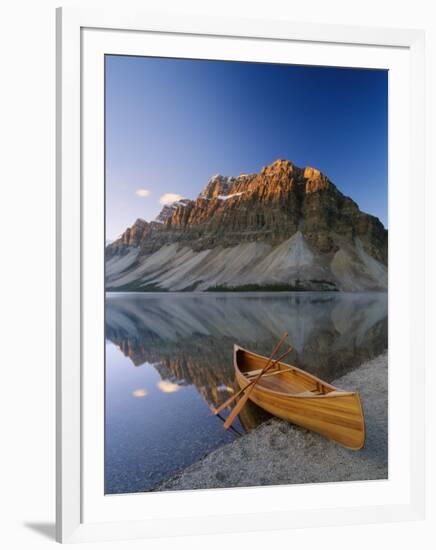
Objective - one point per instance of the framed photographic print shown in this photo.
(240, 298)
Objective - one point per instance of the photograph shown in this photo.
(246, 274)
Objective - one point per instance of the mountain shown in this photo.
(283, 228)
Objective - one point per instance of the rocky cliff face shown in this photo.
(285, 227)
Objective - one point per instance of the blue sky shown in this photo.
(173, 123)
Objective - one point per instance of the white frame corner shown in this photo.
(70, 22)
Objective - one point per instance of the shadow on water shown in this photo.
(185, 341)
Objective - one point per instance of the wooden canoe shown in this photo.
(301, 398)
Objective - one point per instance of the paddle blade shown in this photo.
(226, 403)
(250, 388)
(239, 405)
(229, 401)
(251, 385)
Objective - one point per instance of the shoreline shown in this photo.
(246, 292)
(279, 453)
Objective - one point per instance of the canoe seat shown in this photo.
(253, 373)
(256, 372)
(284, 384)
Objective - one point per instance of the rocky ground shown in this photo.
(279, 453)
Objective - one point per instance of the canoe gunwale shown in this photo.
(334, 393)
(330, 424)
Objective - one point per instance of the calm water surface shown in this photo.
(169, 360)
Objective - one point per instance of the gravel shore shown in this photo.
(278, 453)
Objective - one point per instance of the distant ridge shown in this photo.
(283, 228)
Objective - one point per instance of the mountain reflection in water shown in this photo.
(176, 349)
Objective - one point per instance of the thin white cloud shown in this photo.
(140, 392)
(166, 386)
(142, 193)
(169, 198)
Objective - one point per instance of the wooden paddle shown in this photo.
(244, 399)
(233, 397)
(230, 400)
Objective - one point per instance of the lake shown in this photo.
(169, 361)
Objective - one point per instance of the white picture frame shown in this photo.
(83, 36)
